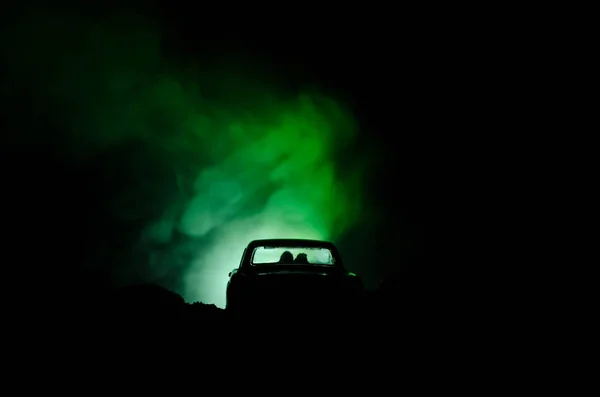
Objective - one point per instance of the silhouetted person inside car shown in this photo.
(301, 259)
(286, 257)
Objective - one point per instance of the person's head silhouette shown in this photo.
(286, 257)
(301, 258)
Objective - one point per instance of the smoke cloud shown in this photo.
(202, 156)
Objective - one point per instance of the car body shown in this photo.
(315, 278)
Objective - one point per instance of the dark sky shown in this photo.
(386, 67)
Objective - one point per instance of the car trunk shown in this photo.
(295, 287)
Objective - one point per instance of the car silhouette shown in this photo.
(290, 274)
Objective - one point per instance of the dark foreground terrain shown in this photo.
(416, 329)
(408, 311)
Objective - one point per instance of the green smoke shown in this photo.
(224, 155)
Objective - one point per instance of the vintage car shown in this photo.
(292, 274)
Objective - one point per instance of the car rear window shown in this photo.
(292, 255)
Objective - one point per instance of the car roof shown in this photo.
(291, 242)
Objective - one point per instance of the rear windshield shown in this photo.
(292, 255)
